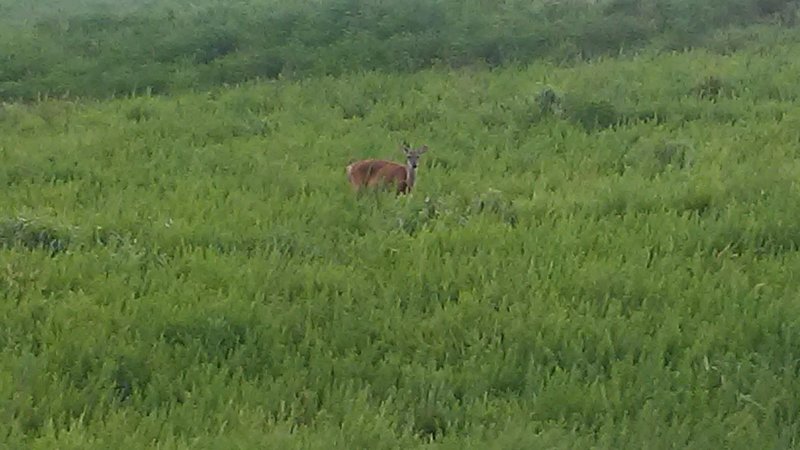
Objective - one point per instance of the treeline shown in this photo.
(180, 45)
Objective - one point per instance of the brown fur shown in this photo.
(377, 172)
(374, 172)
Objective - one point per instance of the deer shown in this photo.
(377, 172)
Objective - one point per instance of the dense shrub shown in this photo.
(123, 48)
(592, 114)
(32, 235)
(712, 88)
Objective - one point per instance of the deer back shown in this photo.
(373, 171)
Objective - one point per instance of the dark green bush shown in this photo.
(31, 235)
(654, 156)
(593, 114)
(127, 50)
(549, 102)
(712, 88)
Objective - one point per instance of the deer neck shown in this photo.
(411, 175)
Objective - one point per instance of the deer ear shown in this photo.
(423, 149)
(404, 148)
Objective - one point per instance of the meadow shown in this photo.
(594, 256)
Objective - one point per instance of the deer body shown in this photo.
(371, 173)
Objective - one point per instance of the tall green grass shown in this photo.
(606, 266)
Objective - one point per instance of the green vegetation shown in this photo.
(101, 48)
(594, 256)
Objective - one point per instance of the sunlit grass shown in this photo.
(195, 271)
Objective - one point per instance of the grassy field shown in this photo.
(606, 267)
